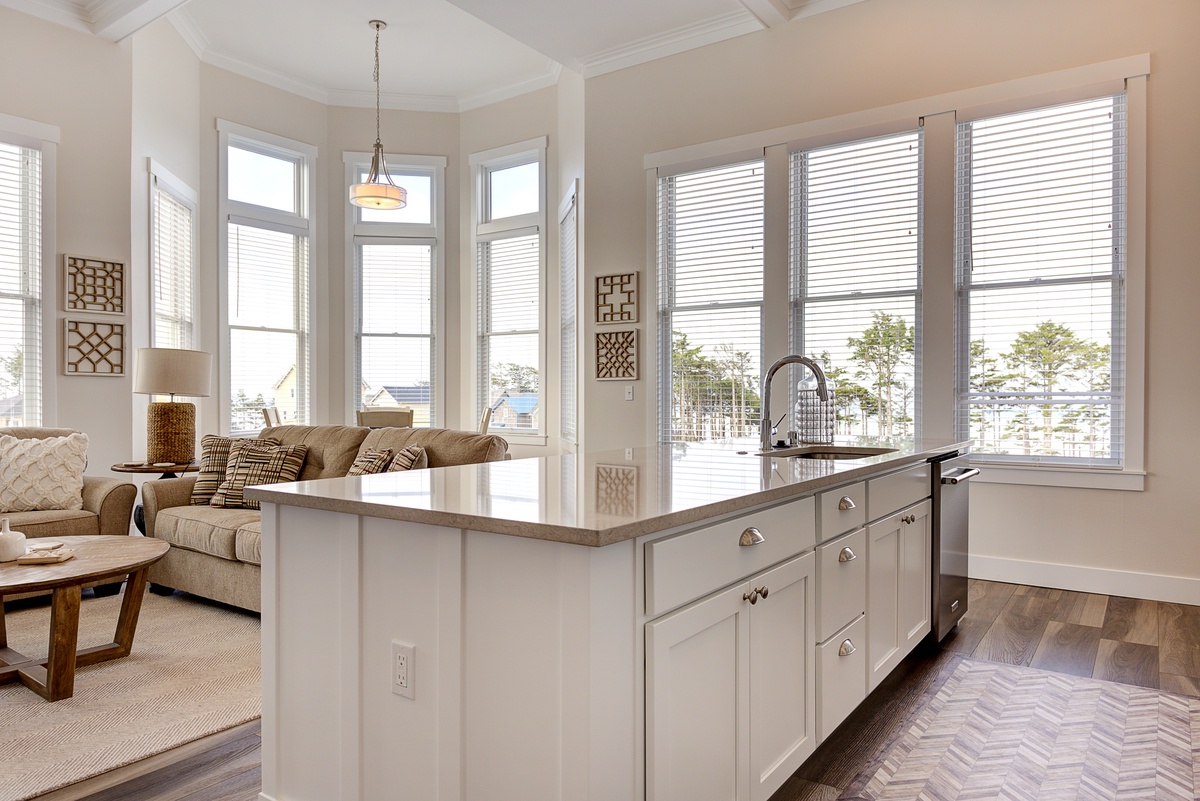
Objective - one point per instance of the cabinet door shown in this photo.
(697, 701)
(782, 675)
(898, 589)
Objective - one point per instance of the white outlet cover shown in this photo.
(403, 669)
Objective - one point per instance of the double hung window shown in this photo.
(509, 252)
(856, 273)
(397, 262)
(710, 302)
(1041, 278)
(21, 264)
(268, 239)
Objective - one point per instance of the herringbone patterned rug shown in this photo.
(194, 671)
(1004, 732)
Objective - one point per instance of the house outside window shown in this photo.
(398, 258)
(1041, 278)
(26, 160)
(510, 273)
(172, 260)
(266, 246)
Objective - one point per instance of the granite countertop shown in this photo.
(595, 499)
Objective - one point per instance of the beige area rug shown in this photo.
(194, 671)
(1002, 732)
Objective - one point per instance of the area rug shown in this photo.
(194, 671)
(1000, 731)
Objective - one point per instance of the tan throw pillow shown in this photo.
(412, 457)
(214, 457)
(370, 461)
(254, 466)
(42, 474)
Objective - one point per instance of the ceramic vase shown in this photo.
(12, 543)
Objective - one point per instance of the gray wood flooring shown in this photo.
(1147, 643)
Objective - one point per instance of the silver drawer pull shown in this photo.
(847, 555)
(751, 536)
(847, 648)
(845, 504)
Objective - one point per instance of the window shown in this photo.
(397, 257)
(509, 248)
(24, 162)
(568, 315)
(710, 315)
(1041, 269)
(172, 260)
(265, 259)
(856, 251)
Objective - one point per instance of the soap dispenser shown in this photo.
(12, 543)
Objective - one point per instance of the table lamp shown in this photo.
(171, 426)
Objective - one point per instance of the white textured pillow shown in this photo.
(42, 474)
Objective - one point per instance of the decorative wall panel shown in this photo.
(617, 298)
(93, 285)
(616, 355)
(93, 348)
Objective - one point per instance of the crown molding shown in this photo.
(548, 77)
(716, 29)
(69, 14)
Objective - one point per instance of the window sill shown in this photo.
(519, 438)
(1075, 477)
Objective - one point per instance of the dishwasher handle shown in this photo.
(959, 475)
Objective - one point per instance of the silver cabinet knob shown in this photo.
(752, 597)
(751, 536)
(909, 519)
(762, 591)
(847, 555)
(845, 504)
(847, 648)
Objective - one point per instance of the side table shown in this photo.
(166, 470)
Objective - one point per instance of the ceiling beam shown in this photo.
(770, 13)
(113, 20)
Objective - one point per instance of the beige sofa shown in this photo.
(216, 552)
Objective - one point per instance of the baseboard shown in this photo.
(1101, 581)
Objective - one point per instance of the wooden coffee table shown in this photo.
(96, 559)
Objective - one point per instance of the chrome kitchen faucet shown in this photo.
(765, 427)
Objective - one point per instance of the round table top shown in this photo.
(99, 556)
(121, 467)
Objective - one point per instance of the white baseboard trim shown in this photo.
(1101, 581)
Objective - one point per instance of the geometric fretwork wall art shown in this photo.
(93, 285)
(616, 355)
(616, 298)
(616, 490)
(93, 348)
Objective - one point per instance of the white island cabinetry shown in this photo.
(573, 645)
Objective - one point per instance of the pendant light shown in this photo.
(378, 192)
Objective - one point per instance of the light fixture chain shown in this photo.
(377, 140)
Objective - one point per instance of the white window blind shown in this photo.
(710, 266)
(856, 248)
(1041, 269)
(173, 266)
(568, 314)
(395, 313)
(20, 285)
(509, 347)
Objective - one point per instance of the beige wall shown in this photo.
(874, 54)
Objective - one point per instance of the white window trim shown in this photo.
(45, 138)
(231, 211)
(570, 203)
(400, 233)
(485, 230)
(1127, 74)
(168, 182)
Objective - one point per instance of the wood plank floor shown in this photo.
(1146, 643)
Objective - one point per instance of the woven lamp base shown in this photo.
(171, 433)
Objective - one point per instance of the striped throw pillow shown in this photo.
(249, 467)
(412, 457)
(214, 457)
(370, 461)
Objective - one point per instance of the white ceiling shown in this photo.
(436, 55)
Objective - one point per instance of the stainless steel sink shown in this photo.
(826, 452)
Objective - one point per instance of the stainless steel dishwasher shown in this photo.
(951, 489)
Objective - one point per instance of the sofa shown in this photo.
(216, 552)
(107, 506)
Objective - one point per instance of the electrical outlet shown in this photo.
(629, 392)
(403, 669)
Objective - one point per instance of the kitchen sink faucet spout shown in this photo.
(765, 427)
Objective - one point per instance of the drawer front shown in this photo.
(841, 582)
(841, 676)
(840, 510)
(686, 566)
(892, 492)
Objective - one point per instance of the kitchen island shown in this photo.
(653, 623)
